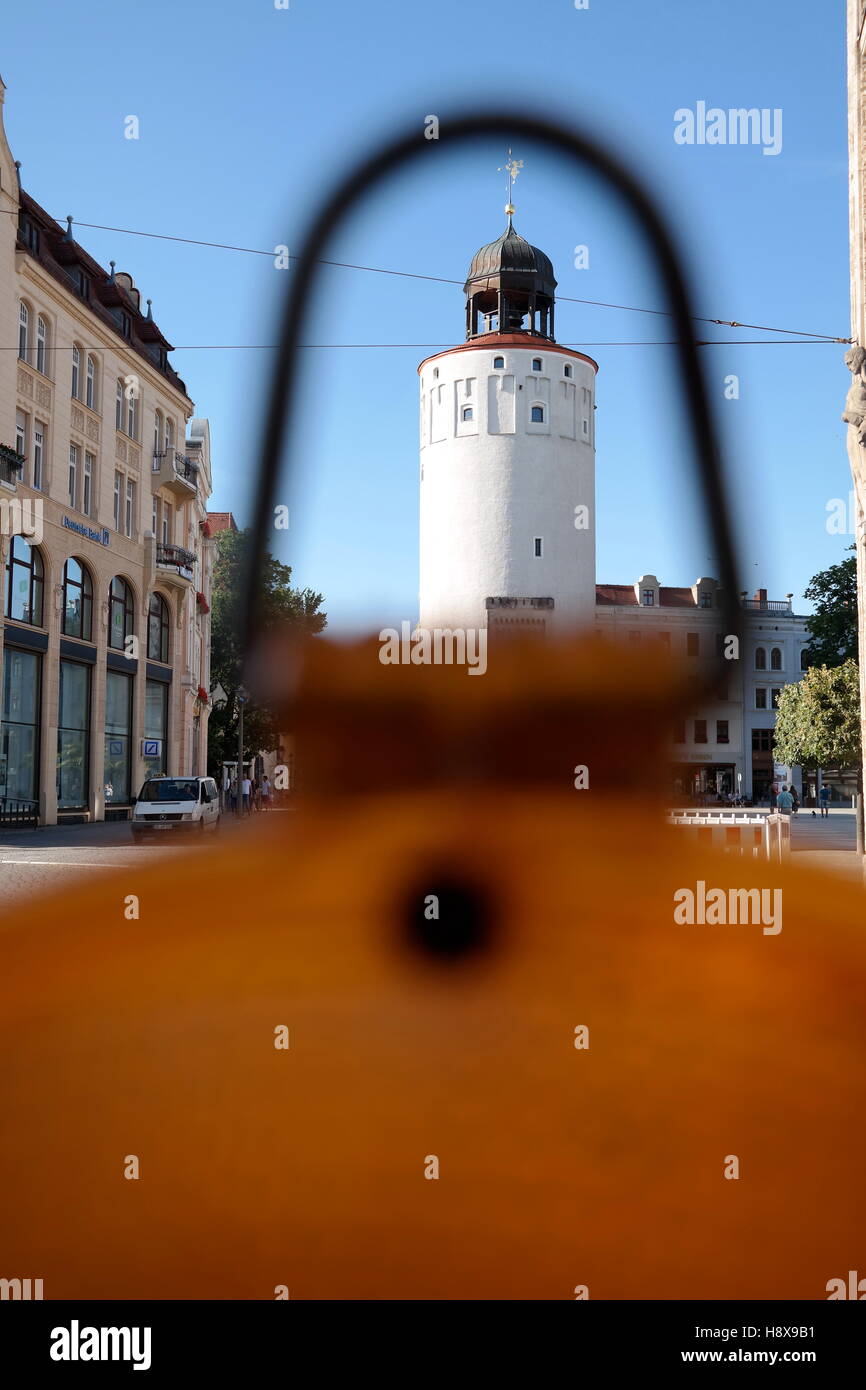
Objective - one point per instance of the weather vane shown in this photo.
(512, 167)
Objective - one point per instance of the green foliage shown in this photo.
(280, 606)
(833, 626)
(818, 720)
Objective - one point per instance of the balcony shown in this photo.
(175, 471)
(766, 605)
(175, 565)
(11, 464)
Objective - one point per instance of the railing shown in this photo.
(185, 468)
(766, 605)
(11, 464)
(16, 813)
(174, 555)
(754, 833)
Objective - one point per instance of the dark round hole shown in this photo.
(448, 917)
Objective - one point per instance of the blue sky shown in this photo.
(248, 112)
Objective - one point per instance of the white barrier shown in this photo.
(752, 833)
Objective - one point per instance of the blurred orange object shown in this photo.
(561, 1167)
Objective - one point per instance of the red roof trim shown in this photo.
(521, 340)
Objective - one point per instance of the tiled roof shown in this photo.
(624, 596)
(59, 256)
(221, 521)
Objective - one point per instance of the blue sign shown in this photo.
(115, 747)
(151, 747)
(90, 533)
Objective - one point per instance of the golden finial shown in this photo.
(512, 168)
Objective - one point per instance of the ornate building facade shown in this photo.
(104, 551)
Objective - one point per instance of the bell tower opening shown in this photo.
(510, 288)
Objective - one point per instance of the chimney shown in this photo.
(761, 595)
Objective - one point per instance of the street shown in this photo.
(36, 861)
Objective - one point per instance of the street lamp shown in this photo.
(242, 696)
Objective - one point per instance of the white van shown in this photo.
(176, 803)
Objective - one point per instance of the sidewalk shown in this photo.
(827, 844)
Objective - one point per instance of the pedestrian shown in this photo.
(266, 793)
(233, 795)
(246, 788)
(824, 797)
(784, 802)
(796, 800)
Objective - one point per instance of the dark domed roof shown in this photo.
(512, 254)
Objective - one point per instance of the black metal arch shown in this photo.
(586, 152)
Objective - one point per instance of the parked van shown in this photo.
(176, 803)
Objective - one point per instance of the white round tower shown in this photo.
(508, 458)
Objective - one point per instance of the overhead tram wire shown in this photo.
(802, 335)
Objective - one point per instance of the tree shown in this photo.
(832, 627)
(297, 610)
(818, 719)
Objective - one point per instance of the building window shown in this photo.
(31, 235)
(157, 439)
(760, 698)
(776, 659)
(23, 331)
(130, 507)
(665, 640)
(498, 363)
(567, 371)
(132, 411)
(435, 373)
(693, 644)
(537, 415)
(121, 615)
(706, 601)
(536, 364)
(76, 372)
(118, 405)
(722, 731)
(467, 412)
(804, 654)
(761, 740)
(157, 629)
(648, 598)
(73, 475)
(169, 434)
(777, 695)
(118, 493)
(21, 432)
(87, 488)
(154, 524)
(90, 384)
(25, 576)
(156, 724)
(41, 345)
(81, 282)
(760, 659)
(538, 547)
(166, 523)
(700, 731)
(680, 731)
(125, 323)
(19, 735)
(118, 737)
(73, 735)
(38, 453)
(77, 616)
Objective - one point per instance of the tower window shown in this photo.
(498, 362)
(467, 412)
(536, 364)
(435, 373)
(538, 547)
(567, 369)
(537, 415)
